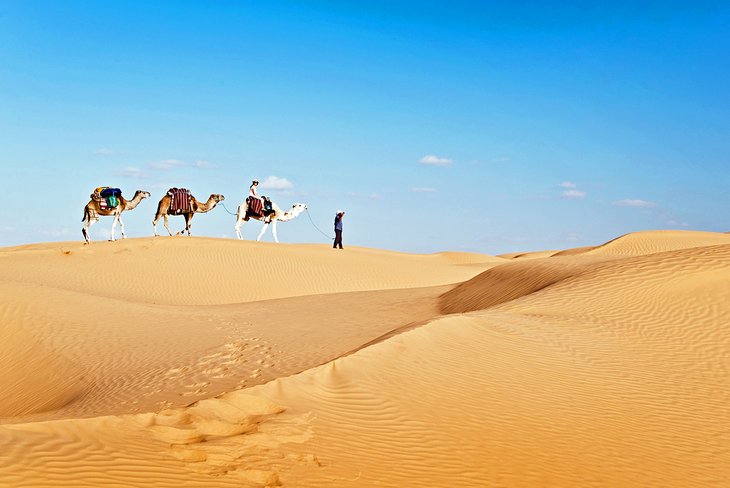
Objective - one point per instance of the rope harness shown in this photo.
(226, 208)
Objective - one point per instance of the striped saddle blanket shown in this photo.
(255, 207)
(179, 201)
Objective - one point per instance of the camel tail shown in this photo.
(86, 213)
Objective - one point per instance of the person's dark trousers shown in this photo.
(338, 239)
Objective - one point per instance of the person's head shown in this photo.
(254, 182)
(340, 213)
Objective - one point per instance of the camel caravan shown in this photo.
(108, 201)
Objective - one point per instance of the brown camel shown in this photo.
(195, 207)
(93, 210)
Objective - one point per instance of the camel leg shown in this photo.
(273, 230)
(114, 226)
(239, 223)
(154, 224)
(188, 219)
(87, 228)
(121, 226)
(164, 222)
(263, 229)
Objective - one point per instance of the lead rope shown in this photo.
(226, 208)
(315, 225)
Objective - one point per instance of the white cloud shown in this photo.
(435, 161)
(276, 184)
(574, 194)
(501, 160)
(423, 190)
(675, 223)
(568, 184)
(105, 151)
(628, 202)
(132, 172)
(166, 164)
(200, 163)
(374, 196)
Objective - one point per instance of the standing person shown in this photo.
(338, 229)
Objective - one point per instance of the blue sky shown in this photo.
(475, 126)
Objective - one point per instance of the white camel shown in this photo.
(278, 215)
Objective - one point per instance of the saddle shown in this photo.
(179, 201)
(107, 197)
(257, 209)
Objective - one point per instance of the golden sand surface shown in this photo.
(196, 362)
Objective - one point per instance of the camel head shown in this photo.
(217, 198)
(142, 193)
(292, 213)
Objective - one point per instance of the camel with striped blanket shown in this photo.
(194, 207)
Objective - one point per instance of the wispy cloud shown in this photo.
(423, 190)
(432, 160)
(167, 164)
(568, 184)
(675, 223)
(374, 196)
(501, 160)
(574, 194)
(105, 151)
(202, 164)
(629, 202)
(275, 183)
(132, 172)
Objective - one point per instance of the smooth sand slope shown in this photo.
(120, 328)
(604, 368)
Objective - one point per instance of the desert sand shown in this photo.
(196, 362)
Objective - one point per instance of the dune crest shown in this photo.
(649, 242)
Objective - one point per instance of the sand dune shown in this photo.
(648, 242)
(120, 316)
(513, 280)
(204, 271)
(606, 367)
(529, 255)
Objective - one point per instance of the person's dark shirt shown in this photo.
(338, 222)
